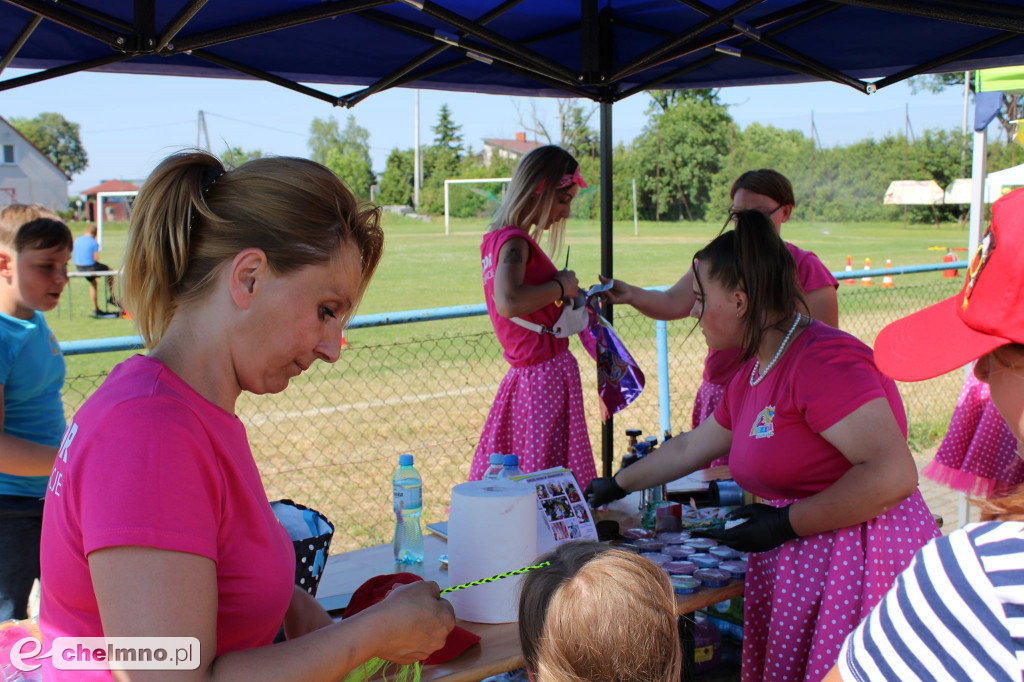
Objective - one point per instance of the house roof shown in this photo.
(110, 186)
(515, 146)
(31, 144)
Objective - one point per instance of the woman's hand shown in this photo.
(418, 622)
(621, 292)
(571, 285)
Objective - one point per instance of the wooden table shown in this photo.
(498, 650)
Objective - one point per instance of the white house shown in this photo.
(27, 176)
(508, 149)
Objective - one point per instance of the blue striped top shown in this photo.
(956, 613)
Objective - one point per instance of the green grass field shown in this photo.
(423, 268)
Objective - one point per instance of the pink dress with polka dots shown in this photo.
(979, 453)
(804, 597)
(720, 365)
(538, 411)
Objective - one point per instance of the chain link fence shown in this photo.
(332, 439)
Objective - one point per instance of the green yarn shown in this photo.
(483, 581)
(401, 673)
(411, 673)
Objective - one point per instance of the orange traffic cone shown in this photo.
(887, 282)
(849, 268)
(866, 281)
(950, 257)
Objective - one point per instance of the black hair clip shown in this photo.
(211, 175)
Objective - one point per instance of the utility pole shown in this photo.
(202, 130)
(417, 170)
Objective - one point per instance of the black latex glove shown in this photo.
(766, 528)
(601, 491)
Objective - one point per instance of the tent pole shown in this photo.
(608, 428)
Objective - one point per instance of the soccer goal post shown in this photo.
(100, 196)
(466, 181)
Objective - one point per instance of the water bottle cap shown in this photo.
(511, 460)
(497, 458)
(405, 460)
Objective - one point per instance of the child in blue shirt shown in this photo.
(35, 247)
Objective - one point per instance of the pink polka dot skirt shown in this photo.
(538, 414)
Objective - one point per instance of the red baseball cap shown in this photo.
(376, 588)
(986, 314)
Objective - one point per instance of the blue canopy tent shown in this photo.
(603, 50)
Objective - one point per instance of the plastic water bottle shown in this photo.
(497, 460)
(510, 467)
(408, 503)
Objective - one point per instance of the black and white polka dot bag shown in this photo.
(311, 534)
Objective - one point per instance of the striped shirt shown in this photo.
(956, 613)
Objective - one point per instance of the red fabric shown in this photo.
(376, 588)
(986, 314)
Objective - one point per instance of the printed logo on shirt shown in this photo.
(488, 266)
(54, 345)
(763, 427)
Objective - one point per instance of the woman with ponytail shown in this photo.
(157, 523)
(819, 434)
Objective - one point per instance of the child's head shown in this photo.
(540, 194)
(598, 614)
(193, 217)
(35, 246)
(91, 230)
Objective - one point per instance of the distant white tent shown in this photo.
(959, 192)
(913, 192)
(1007, 179)
(996, 185)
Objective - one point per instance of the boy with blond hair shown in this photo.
(35, 247)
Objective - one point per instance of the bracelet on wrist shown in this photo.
(561, 290)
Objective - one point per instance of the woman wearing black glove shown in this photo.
(815, 430)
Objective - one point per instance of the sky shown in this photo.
(130, 122)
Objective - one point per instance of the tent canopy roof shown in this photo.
(599, 49)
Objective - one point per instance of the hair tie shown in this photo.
(211, 175)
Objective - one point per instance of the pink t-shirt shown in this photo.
(719, 365)
(149, 462)
(522, 346)
(821, 378)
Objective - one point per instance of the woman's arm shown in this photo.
(678, 457)
(142, 591)
(674, 303)
(304, 615)
(20, 457)
(823, 305)
(883, 473)
(511, 297)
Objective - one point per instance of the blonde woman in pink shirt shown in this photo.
(156, 522)
(538, 411)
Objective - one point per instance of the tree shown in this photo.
(446, 134)
(396, 183)
(56, 137)
(1013, 104)
(346, 153)
(574, 132)
(233, 157)
(441, 161)
(680, 150)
